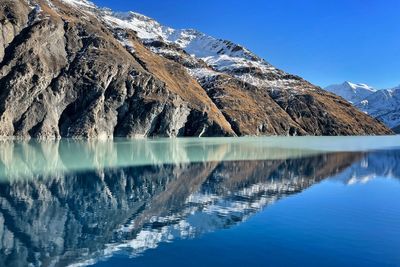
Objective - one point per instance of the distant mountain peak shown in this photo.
(382, 104)
(359, 86)
(352, 92)
(84, 3)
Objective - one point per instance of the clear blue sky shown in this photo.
(324, 41)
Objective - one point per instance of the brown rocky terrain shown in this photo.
(66, 72)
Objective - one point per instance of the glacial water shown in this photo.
(278, 201)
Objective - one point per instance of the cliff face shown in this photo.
(67, 70)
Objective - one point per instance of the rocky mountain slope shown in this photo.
(70, 69)
(381, 104)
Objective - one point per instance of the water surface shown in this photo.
(307, 201)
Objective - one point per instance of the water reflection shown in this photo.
(24, 160)
(75, 203)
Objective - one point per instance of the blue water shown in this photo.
(209, 202)
(330, 224)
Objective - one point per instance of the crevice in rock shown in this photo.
(34, 131)
(155, 125)
(5, 88)
(9, 51)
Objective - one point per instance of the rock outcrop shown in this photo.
(67, 70)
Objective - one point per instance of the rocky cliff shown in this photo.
(70, 69)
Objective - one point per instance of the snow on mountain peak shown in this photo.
(352, 92)
(381, 104)
(83, 3)
(221, 55)
(145, 27)
(192, 41)
(359, 86)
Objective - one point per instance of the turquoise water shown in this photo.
(307, 201)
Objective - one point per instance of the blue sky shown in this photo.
(324, 41)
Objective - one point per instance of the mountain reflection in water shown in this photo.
(73, 203)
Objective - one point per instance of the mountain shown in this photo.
(71, 69)
(352, 92)
(381, 104)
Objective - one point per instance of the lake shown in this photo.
(274, 201)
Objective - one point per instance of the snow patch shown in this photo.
(223, 56)
(382, 104)
(352, 92)
(80, 3)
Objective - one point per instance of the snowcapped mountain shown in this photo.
(352, 92)
(78, 3)
(381, 104)
(221, 55)
(112, 74)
